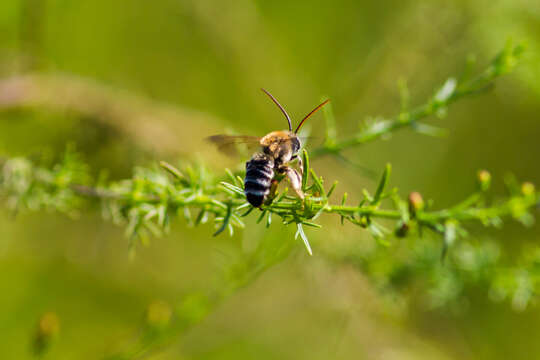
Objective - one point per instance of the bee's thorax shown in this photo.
(280, 145)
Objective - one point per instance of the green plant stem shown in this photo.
(502, 64)
(424, 217)
(152, 194)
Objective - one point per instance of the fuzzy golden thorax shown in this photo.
(281, 145)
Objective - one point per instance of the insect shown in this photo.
(278, 148)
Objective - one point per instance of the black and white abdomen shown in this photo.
(259, 175)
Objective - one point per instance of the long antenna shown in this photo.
(280, 108)
(311, 113)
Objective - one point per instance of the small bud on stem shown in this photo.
(416, 203)
(484, 179)
(527, 189)
(47, 330)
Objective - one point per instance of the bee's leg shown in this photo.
(295, 179)
(300, 163)
(272, 194)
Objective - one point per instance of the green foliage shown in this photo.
(25, 186)
(147, 202)
(474, 263)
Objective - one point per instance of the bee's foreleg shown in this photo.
(295, 179)
(300, 163)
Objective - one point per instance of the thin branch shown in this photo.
(154, 194)
(139, 118)
(450, 92)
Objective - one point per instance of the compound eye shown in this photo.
(296, 144)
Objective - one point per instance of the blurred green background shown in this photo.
(206, 61)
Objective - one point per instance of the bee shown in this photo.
(278, 148)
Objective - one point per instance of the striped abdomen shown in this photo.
(259, 175)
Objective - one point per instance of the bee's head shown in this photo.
(288, 135)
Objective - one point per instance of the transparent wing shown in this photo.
(232, 144)
(310, 141)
